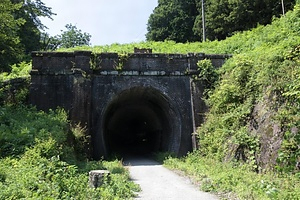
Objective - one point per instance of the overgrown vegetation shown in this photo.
(181, 20)
(20, 70)
(38, 160)
(14, 86)
(71, 37)
(230, 180)
(21, 32)
(40, 155)
(266, 68)
(20, 29)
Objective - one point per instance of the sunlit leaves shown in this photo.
(9, 39)
(71, 37)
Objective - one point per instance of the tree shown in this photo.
(30, 31)
(49, 43)
(181, 20)
(72, 37)
(225, 17)
(9, 39)
(35, 9)
(20, 29)
(172, 20)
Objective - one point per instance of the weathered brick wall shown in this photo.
(90, 86)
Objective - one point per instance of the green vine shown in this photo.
(95, 61)
(122, 58)
(207, 73)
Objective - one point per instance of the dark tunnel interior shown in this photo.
(138, 122)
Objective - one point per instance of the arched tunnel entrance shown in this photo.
(140, 121)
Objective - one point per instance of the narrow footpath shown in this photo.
(160, 183)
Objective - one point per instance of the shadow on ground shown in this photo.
(136, 160)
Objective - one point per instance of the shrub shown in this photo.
(37, 161)
(234, 181)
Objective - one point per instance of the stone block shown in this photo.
(96, 177)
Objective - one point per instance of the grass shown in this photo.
(38, 161)
(235, 180)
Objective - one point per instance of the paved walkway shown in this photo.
(159, 183)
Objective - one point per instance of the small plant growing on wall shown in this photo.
(122, 58)
(207, 73)
(95, 61)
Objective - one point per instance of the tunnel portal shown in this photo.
(140, 121)
(139, 102)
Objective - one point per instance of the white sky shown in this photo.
(108, 21)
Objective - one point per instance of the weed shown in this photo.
(232, 180)
(38, 163)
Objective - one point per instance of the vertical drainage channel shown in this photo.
(140, 121)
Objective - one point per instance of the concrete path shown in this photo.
(157, 182)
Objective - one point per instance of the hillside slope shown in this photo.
(254, 112)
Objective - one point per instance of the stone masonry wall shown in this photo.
(85, 84)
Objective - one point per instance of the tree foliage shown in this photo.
(34, 9)
(263, 74)
(21, 32)
(9, 40)
(20, 29)
(225, 17)
(72, 37)
(172, 20)
(30, 31)
(49, 43)
(181, 21)
(37, 159)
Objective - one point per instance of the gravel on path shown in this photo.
(159, 183)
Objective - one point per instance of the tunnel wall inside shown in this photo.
(87, 86)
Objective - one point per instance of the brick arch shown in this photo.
(142, 120)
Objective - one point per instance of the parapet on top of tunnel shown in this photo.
(139, 63)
